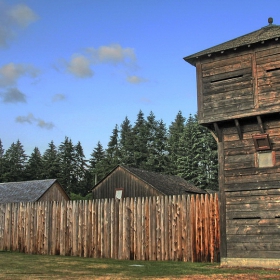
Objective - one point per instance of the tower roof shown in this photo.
(269, 32)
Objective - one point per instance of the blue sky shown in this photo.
(77, 68)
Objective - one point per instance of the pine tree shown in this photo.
(34, 166)
(14, 163)
(187, 153)
(113, 150)
(98, 167)
(197, 156)
(50, 161)
(80, 170)
(66, 156)
(140, 140)
(175, 131)
(126, 143)
(157, 140)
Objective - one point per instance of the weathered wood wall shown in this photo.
(239, 84)
(120, 178)
(227, 86)
(252, 193)
(54, 193)
(155, 228)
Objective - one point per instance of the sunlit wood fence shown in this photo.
(154, 228)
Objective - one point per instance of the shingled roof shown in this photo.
(268, 32)
(27, 191)
(166, 184)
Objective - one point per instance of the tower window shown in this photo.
(266, 159)
(261, 142)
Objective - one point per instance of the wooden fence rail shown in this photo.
(154, 228)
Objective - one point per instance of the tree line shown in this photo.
(185, 149)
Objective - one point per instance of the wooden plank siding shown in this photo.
(240, 85)
(179, 227)
(227, 86)
(252, 194)
(238, 94)
(132, 186)
(54, 193)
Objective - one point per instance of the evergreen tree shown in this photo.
(175, 131)
(113, 150)
(97, 161)
(140, 136)
(14, 163)
(34, 167)
(80, 170)
(189, 152)
(50, 162)
(66, 156)
(126, 143)
(157, 138)
(197, 155)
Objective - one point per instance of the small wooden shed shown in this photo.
(32, 191)
(124, 181)
(238, 89)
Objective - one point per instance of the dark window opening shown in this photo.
(261, 142)
(226, 79)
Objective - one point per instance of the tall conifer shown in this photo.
(34, 166)
(66, 156)
(126, 143)
(140, 139)
(175, 131)
(51, 162)
(98, 167)
(15, 160)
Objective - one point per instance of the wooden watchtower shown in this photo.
(238, 89)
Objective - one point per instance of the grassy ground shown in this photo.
(22, 266)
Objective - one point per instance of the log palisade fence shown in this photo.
(153, 228)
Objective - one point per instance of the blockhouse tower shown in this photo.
(238, 90)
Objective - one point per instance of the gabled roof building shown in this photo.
(32, 191)
(124, 181)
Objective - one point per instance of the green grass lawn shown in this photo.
(23, 266)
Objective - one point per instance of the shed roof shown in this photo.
(26, 191)
(268, 32)
(166, 184)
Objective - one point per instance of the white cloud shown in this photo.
(10, 73)
(43, 124)
(135, 79)
(79, 66)
(112, 54)
(12, 18)
(13, 95)
(26, 119)
(31, 119)
(22, 15)
(58, 97)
